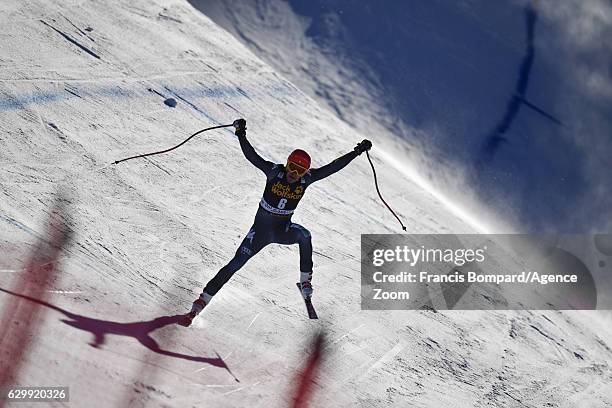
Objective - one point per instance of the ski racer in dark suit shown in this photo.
(285, 187)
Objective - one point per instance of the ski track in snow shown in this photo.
(150, 233)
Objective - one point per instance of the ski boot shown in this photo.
(305, 285)
(306, 288)
(198, 305)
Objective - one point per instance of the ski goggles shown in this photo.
(296, 169)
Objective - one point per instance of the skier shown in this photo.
(284, 189)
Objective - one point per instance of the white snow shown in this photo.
(149, 233)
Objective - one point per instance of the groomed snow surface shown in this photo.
(82, 84)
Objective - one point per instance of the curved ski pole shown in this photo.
(172, 148)
(378, 191)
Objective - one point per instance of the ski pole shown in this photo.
(175, 147)
(378, 191)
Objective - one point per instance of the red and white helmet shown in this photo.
(298, 162)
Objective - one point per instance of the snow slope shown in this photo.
(81, 86)
(514, 96)
(318, 52)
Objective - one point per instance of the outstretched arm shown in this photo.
(252, 156)
(340, 163)
(248, 150)
(333, 167)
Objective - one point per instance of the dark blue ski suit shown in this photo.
(273, 219)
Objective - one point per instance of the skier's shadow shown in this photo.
(141, 331)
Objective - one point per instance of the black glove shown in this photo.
(363, 146)
(240, 125)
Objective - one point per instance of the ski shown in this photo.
(186, 320)
(312, 314)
